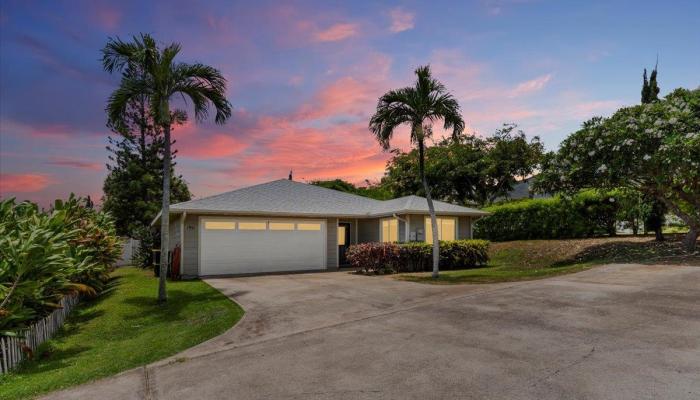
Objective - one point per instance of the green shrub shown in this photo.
(587, 214)
(462, 254)
(46, 255)
(382, 258)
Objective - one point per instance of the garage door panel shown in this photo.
(255, 251)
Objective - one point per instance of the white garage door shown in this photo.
(253, 245)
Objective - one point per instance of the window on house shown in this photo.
(281, 226)
(230, 225)
(341, 235)
(309, 226)
(390, 230)
(252, 226)
(447, 229)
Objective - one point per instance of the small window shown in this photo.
(446, 229)
(281, 226)
(390, 230)
(341, 235)
(229, 225)
(309, 226)
(252, 226)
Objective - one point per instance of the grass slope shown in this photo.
(533, 259)
(121, 330)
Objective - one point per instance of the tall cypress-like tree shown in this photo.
(133, 188)
(655, 219)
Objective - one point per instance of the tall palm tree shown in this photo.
(151, 73)
(419, 107)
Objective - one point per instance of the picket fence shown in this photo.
(11, 352)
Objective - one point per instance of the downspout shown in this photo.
(471, 226)
(182, 243)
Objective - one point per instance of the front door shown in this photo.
(343, 242)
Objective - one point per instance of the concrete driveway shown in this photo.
(613, 332)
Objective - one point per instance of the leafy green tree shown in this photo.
(418, 106)
(653, 148)
(158, 79)
(470, 169)
(654, 220)
(372, 190)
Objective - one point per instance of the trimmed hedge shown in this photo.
(383, 258)
(587, 214)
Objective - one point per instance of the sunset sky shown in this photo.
(304, 78)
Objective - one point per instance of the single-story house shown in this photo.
(284, 226)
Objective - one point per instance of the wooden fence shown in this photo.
(11, 348)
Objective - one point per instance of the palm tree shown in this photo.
(419, 107)
(151, 73)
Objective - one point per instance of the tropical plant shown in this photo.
(46, 255)
(418, 106)
(158, 80)
(653, 148)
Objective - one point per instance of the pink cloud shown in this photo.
(43, 131)
(107, 17)
(207, 147)
(592, 108)
(531, 86)
(401, 20)
(336, 32)
(66, 162)
(346, 96)
(23, 183)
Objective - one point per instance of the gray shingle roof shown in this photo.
(285, 197)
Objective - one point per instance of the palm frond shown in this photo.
(204, 85)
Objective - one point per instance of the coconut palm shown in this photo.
(150, 72)
(419, 107)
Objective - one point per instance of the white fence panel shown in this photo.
(14, 349)
(129, 247)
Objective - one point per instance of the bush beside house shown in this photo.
(382, 258)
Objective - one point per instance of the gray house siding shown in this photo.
(464, 228)
(174, 231)
(332, 243)
(190, 253)
(368, 230)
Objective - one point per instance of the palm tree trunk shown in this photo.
(165, 217)
(431, 210)
(691, 239)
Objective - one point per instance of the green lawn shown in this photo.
(123, 329)
(533, 259)
(505, 266)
